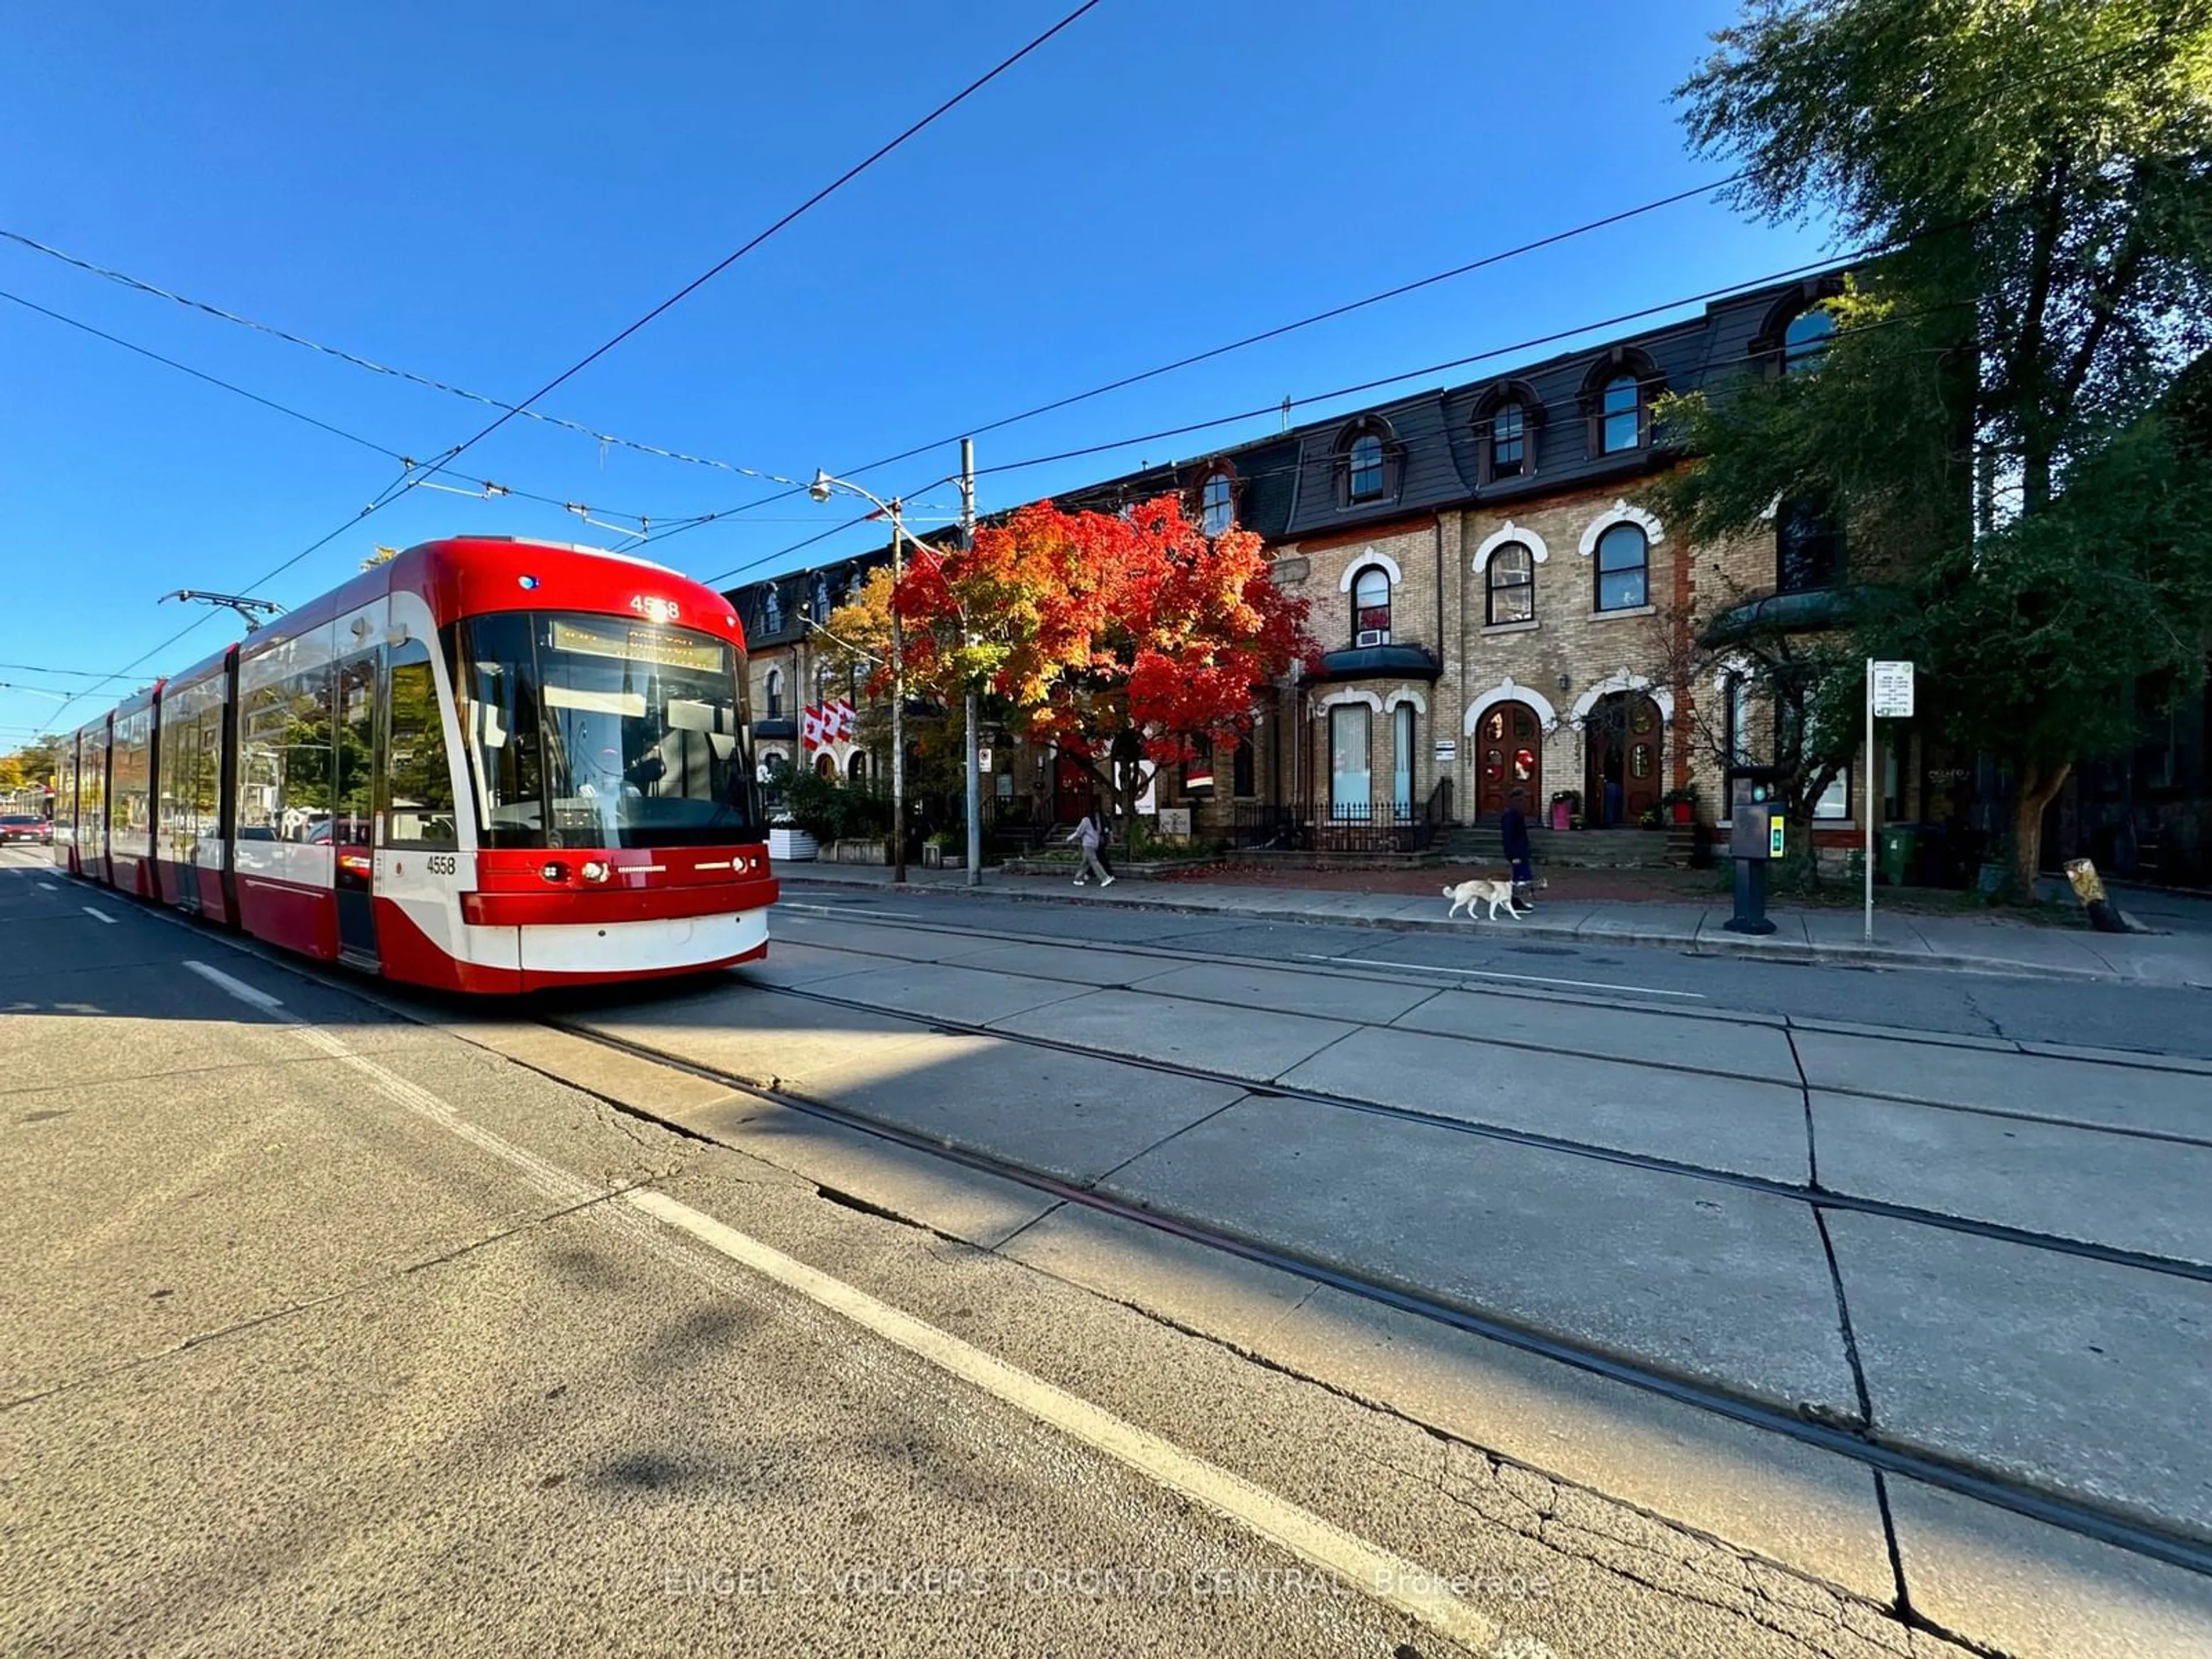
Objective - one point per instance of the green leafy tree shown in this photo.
(1984, 426)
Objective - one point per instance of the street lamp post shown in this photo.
(821, 489)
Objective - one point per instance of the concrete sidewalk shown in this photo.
(2180, 959)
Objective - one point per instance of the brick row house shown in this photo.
(1491, 595)
(1498, 605)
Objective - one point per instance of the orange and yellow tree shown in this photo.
(1116, 637)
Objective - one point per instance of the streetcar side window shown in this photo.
(309, 758)
(415, 796)
(260, 761)
(207, 781)
(285, 759)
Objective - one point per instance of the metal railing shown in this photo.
(1342, 827)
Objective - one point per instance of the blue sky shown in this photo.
(483, 193)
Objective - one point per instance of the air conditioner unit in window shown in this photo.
(1367, 637)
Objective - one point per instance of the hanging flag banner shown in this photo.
(810, 727)
(841, 715)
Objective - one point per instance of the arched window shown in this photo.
(1512, 580)
(825, 768)
(1624, 568)
(773, 690)
(856, 769)
(1216, 505)
(1509, 441)
(1370, 606)
(772, 610)
(1620, 416)
(1806, 341)
(1365, 482)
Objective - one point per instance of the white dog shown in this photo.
(1482, 891)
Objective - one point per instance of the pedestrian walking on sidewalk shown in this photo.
(1513, 833)
(1092, 834)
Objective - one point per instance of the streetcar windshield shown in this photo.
(594, 731)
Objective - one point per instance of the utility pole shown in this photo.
(975, 700)
(898, 701)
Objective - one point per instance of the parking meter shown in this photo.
(1758, 834)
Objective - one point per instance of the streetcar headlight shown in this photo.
(595, 870)
(553, 870)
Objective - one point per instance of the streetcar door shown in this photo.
(352, 838)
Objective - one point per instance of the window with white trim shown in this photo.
(1624, 568)
(1511, 582)
(1370, 606)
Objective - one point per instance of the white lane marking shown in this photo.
(836, 909)
(547, 1178)
(237, 987)
(97, 914)
(50, 887)
(1524, 979)
(1387, 1578)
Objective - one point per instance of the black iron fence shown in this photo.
(1371, 826)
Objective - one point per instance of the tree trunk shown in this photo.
(2037, 790)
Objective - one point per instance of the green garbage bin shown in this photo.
(1896, 863)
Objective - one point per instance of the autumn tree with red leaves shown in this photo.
(1117, 636)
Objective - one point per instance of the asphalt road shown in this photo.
(2146, 1020)
(327, 1329)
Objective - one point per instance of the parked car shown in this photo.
(26, 826)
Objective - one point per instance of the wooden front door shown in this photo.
(1508, 755)
(1072, 786)
(1622, 740)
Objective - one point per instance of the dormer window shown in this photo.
(1370, 606)
(1805, 343)
(1365, 481)
(772, 611)
(1216, 505)
(1620, 416)
(1509, 441)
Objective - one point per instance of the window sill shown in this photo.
(1629, 610)
(1528, 627)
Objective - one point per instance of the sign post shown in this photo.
(1889, 697)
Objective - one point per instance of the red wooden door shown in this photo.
(1508, 755)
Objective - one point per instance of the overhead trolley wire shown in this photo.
(819, 195)
(509, 411)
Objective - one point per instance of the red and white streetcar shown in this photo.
(485, 765)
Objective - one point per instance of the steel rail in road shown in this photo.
(1858, 1443)
(1819, 1197)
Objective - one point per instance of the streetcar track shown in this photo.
(1524, 987)
(1499, 1041)
(1819, 1198)
(1861, 1444)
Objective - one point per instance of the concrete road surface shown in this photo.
(344, 1321)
